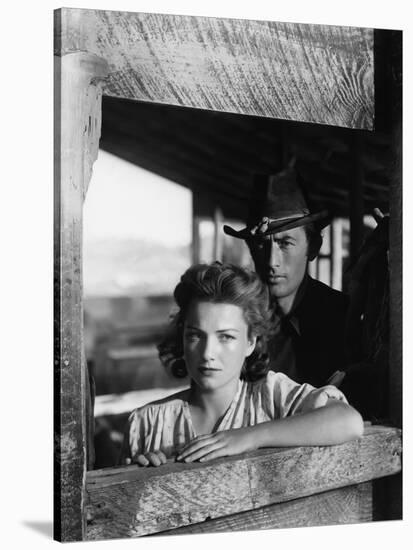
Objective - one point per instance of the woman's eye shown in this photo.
(226, 337)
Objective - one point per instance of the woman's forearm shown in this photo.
(330, 425)
(334, 423)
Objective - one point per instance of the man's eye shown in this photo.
(286, 244)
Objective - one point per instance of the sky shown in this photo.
(126, 201)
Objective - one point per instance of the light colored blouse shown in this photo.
(166, 425)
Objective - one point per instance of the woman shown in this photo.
(234, 404)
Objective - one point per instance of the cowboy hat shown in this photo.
(277, 204)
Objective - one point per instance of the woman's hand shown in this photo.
(218, 444)
(155, 458)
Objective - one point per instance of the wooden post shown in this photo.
(218, 234)
(388, 86)
(196, 241)
(337, 254)
(78, 91)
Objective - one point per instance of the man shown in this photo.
(282, 234)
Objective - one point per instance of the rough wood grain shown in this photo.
(78, 91)
(132, 501)
(341, 506)
(311, 73)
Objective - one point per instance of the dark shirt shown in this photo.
(308, 344)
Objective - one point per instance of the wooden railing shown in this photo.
(269, 488)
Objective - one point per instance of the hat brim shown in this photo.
(320, 219)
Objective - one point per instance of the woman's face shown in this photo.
(216, 344)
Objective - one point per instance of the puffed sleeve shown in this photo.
(290, 398)
(319, 397)
(134, 435)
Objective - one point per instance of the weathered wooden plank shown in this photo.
(309, 73)
(313, 469)
(144, 506)
(78, 91)
(132, 501)
(347, 505)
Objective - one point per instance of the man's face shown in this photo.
(281, 260)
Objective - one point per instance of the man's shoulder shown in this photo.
(319, 289)
(324, 299)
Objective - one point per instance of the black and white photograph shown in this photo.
(227, 313)
(227, 274)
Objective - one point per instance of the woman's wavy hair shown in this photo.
(220, 283)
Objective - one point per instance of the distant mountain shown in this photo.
(120, 267)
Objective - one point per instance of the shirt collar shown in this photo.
(292, 317)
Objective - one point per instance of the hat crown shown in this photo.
(278, 203)
(277, 197)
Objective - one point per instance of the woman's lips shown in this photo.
(208, 370)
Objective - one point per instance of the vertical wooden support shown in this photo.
(218, 234)
(78, 92)
(337, 254)
(388, 86)
(356, 200)
(196, 240)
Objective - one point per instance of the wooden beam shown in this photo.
(310, 73)
(346, 505)
(133, 501)
(78, 92)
